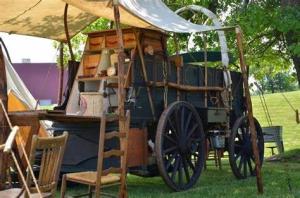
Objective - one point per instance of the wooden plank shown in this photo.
(23, 118)
(185, 87)
(4, 129)
(97, 78)
(243, 66)
(137, 147)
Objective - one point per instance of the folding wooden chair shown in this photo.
(51, 150)
(108, 177)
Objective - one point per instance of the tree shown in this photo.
(279, 82)
(271, 32)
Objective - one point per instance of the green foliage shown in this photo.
(278, 83)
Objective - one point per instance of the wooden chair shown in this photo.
(52, 151)
(108, 177)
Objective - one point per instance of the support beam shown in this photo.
(4, 129)
(259, 183)
(121, 91)
(182, 87)
(67, 32)
(61, 73)
(144, 70)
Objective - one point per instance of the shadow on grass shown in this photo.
(291, 156)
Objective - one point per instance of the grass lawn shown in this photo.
(281, 179)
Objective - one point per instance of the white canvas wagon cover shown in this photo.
(44, 18)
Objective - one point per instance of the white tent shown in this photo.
(45, 18)
(15, 83)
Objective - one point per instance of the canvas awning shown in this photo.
(44, 18)
(41, 18)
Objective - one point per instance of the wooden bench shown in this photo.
(273, 134)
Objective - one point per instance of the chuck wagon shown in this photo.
(176, 108)
(179, 106)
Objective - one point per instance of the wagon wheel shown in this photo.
(179, 146)
(241, 155)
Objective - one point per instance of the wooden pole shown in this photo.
(259, 183)
(4, 129)
(205, 65)
(61, 73)
(140, 51)
(121, 89)
(178, 67)
(67, 32)
(121, 60)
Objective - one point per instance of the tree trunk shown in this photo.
(291, 38)
(296, 61)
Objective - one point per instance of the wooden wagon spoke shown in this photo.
(241, 162)
(175, 168)
(237, 155)
(172, 127)
(186, 170)
(169, 150)
(250, 166)
(170, 160)
(170, 139)
(180, 173)
(182, 121)
(190, 163)
(245, 166)
(188, 120)
(192, 131)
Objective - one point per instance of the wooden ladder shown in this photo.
(122, 136)
(109, 176)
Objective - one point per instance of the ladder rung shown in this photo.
(113, 152)
(113, 134)
(112, 118)
(112, 170)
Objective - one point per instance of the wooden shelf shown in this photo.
(92, 52)
(97, 78)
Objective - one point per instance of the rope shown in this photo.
(264, 104)
(292, 107)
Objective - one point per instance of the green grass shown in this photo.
(281, 179)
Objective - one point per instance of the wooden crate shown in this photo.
(91, 103)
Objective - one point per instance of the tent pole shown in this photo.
(206, 72)
(4, 129)
(239, 37)
(67, 32)
(61, 73)
(121, 60)
(178, 67)
(121, 85)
